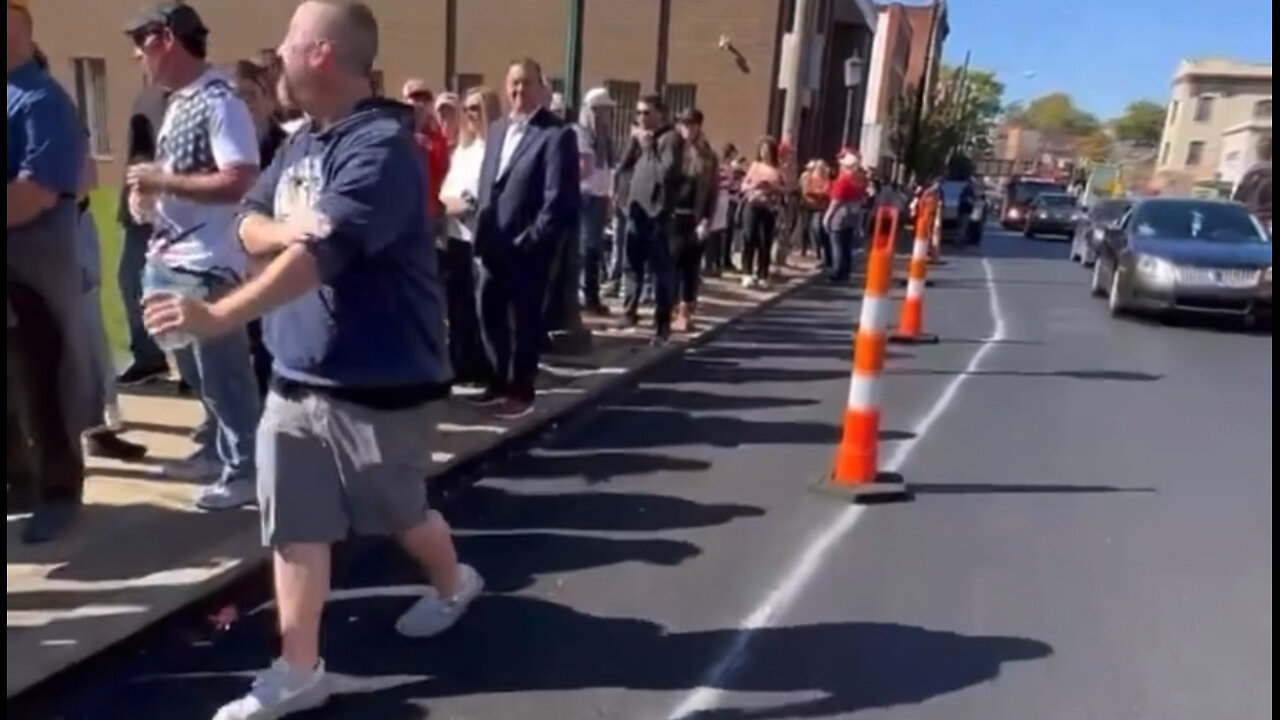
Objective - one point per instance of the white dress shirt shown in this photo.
(517, 125)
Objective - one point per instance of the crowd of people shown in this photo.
(323, 265)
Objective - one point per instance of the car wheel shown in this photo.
(1115, 296)
(1026, 233)
(1098, 285)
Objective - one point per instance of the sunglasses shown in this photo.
(142, 35)
(421, 96)
(642, 112)
(472, 109)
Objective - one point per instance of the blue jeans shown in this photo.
(133, 258)
(648, 249)
(595, 213)
(618, 252)
(220, 373)
(104, 380)
(820, 238)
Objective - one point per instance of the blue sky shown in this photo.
(1105, 53)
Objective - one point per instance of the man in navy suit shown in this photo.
(528, 201)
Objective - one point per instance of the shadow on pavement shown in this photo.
(508, 646)
(667, 428)
(1115, 375)
(698, 400)
(596, 467)
(491, 508)
(1029, 489)
(511, 562)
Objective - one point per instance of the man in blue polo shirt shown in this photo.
(45, 158)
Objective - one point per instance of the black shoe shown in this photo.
(488, 398)
(137, 374)
(50, 521)
(597, 309)
(184, 389)
(628, 322)
(107, 444)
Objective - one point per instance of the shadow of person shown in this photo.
(492, 508)
(511, 645)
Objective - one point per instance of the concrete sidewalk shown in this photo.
(141, 552)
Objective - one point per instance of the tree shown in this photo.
(1096, 146)
(1057, 114)
(974, 98)
(1141, 123)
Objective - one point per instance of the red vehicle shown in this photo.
(1019, 193)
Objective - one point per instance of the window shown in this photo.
(91, 99)
(464, 82)
(1164, 154)
(376, 83)
(1262, 110)
(1195, 153)
(626, 94)
(1173, 112)
(1204, 108)
(679, 97)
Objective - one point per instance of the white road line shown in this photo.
(790, 585)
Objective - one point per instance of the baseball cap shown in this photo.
(179, 18)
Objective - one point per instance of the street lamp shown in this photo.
(854, 67)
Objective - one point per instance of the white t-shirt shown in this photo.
(463, 175)
(206, 128)
(597, 182)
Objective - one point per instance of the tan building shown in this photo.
(1211, 102)
(724, 56)
(905, 52)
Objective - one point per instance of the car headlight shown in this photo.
(1154, 268)
(1042, 214)
(1099, 234)
(1014, 214)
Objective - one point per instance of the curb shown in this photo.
(248, 579)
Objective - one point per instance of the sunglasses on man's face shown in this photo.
(643, 112)
(472, 109)
(420, 97)
(141, 36)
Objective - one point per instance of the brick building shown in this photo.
(630, 46)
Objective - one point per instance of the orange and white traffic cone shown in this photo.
(911, 315)
(855, 474)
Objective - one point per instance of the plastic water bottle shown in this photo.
(158, 279)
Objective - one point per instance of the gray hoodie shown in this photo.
(654, 171)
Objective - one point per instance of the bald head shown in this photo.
(348, 27)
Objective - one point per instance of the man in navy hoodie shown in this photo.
(354, 319)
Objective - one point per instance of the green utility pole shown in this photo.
(573, 57)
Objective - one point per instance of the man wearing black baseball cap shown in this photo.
(206, 160)
(177, 18)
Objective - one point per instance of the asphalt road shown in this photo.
(1091, 537)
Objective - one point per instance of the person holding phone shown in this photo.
(762, 190)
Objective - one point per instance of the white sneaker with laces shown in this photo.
(278, 691)
(223, 495)
(432, 614)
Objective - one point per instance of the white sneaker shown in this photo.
(224, 495)
(112, 417)
(195, 468)
(432, 614)
(279, 691)
(747, 281)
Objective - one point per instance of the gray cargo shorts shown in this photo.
(329, 469)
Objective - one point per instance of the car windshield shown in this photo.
(1025, 192)
(1110, 211)
(1055, 201)
(1219, 221)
